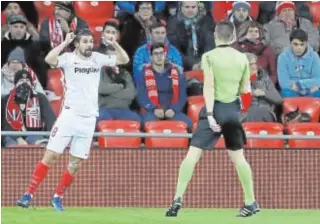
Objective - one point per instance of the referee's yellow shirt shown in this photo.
(230, 69)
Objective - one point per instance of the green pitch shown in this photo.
(153, 216)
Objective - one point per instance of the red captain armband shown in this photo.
(245, 101)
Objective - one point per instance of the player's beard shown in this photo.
(86, 53)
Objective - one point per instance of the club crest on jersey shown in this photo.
(86, 70)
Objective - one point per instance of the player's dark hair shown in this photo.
(225, 30)
(299, 34)
(156, 46)
(83, 32)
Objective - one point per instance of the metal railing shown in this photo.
(160, 135)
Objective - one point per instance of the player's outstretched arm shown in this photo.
(52, 56)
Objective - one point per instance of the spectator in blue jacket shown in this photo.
(129, 6)
(162, 89)
(142, 55)
(299, 68)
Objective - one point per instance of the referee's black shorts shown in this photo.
(227, 116)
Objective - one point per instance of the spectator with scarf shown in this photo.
(278, 30)
(251, 39)
(16, 62)
(265, 97)
(54, 29)
(116, 89)
(240, 13)
(191, 33)
(142, 55)
(135, 29)
(162, 89)
(24, 109)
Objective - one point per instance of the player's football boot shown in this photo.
(56, 203)
(174, 208)
(25, 200)
(249, 210)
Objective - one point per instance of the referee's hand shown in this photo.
(213, 124)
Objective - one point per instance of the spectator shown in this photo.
(13, 9)
(136, 28)
(142, 55)
(54, 29)
(16, 62)
(17, 36)
(116, 89)
(129, 6)
(162, 89)
(299, 68)
(278, 30)
(191, 33)
(240, 13)
(265, 96)
(251, 39)
(25, 110)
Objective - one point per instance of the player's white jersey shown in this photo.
(81, 80)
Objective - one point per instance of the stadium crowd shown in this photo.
(165, 42)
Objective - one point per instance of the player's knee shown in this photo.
(193, 155)
(234, 135)
(74, 166)
(237, 157)
(50, 158)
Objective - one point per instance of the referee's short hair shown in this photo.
(225, 31)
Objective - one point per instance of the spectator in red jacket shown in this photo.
(251, 39)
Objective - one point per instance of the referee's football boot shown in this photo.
(174, 208)
(25, 200)
(249, 210)
(56, 203)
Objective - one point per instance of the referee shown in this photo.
(226, 76)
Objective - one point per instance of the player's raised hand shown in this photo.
(69, 38)
(213, 124)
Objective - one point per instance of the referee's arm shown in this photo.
(208, 85)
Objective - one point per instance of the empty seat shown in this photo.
(119, 126)
(308, 105)
(195, 104)
(56, 106)
(166, 127)
(264, 128)
(55, 81)
(92, 10)
(314, 7)
(310, 129)
(197, 74)
(222, 9)
(96, 27)
(44, 9)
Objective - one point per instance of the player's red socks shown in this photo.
(65, 182)
(38, 176)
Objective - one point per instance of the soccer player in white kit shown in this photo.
(77, 120)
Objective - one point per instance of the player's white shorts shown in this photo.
(74, 129)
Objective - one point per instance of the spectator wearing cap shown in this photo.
(299, 68)
(278, 30)
(191, 33)
(54, 29)
(162, 89)
(13, 8)
(240, 13)
(143, 56)
(129, 6)
(251, 39)
(16, 62)
(116, 88)
(17, 36)
(135, 30)
(265, 97)
(24, 109)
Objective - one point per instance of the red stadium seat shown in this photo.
(119, 126)
(264, 128)
(44, 9)
(55, 80)
(197, 74)
(304, 129)
(195, 104)
(56, 106)
(220, 9)
(314, 10)
(96, 27)
(308, 105)
(166, 127)
(92, 10)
